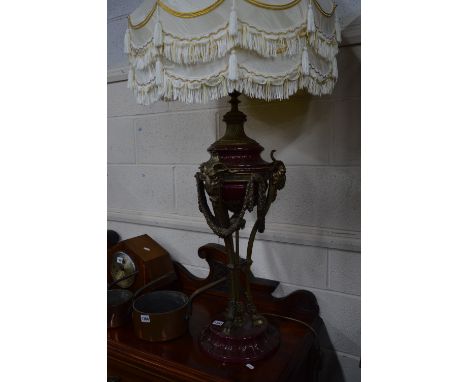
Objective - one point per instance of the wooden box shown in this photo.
(150, 258)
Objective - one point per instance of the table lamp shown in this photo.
(200, 51)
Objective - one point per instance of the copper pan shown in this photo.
(163, 315)
(119, 301)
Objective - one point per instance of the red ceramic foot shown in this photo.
(246, 344)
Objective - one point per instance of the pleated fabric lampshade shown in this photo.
(198, 51)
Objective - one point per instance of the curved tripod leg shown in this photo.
(235, 308)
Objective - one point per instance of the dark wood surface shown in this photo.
(181, 359)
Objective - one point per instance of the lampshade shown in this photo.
(198, 51)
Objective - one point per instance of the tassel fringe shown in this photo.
(233, 20)
(310, 20)
(131, 77)
(219, 86)
(233, 71)
(210, 49)
(305, 61)
(337, 28)
(335, 69)
(127, 42)
(159, 75)
(158, 34)
(233, 23)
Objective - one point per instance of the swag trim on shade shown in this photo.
(217, 3)
(218, 44)
(203, 91)
(255, 84)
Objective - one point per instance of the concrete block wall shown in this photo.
(312, 236)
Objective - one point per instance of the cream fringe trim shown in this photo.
(215, 87)
(218, 45)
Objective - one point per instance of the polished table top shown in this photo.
(182, 359)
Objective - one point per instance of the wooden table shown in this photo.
(297, 358)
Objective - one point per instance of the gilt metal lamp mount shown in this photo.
(238, 180)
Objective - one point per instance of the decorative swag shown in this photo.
(197, 51)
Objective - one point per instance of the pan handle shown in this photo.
(201, 290)
(156, 280)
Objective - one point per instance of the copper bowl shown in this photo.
(120, 301)
(161, 315)
(164, 314)
(119, 307)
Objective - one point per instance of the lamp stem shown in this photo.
(237, 179)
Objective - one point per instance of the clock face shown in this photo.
(122, 265)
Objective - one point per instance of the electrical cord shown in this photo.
(292, 319)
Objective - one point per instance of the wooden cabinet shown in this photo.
(296, 360)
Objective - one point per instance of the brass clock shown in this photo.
(122, 265)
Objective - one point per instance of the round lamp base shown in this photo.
(246, 344)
